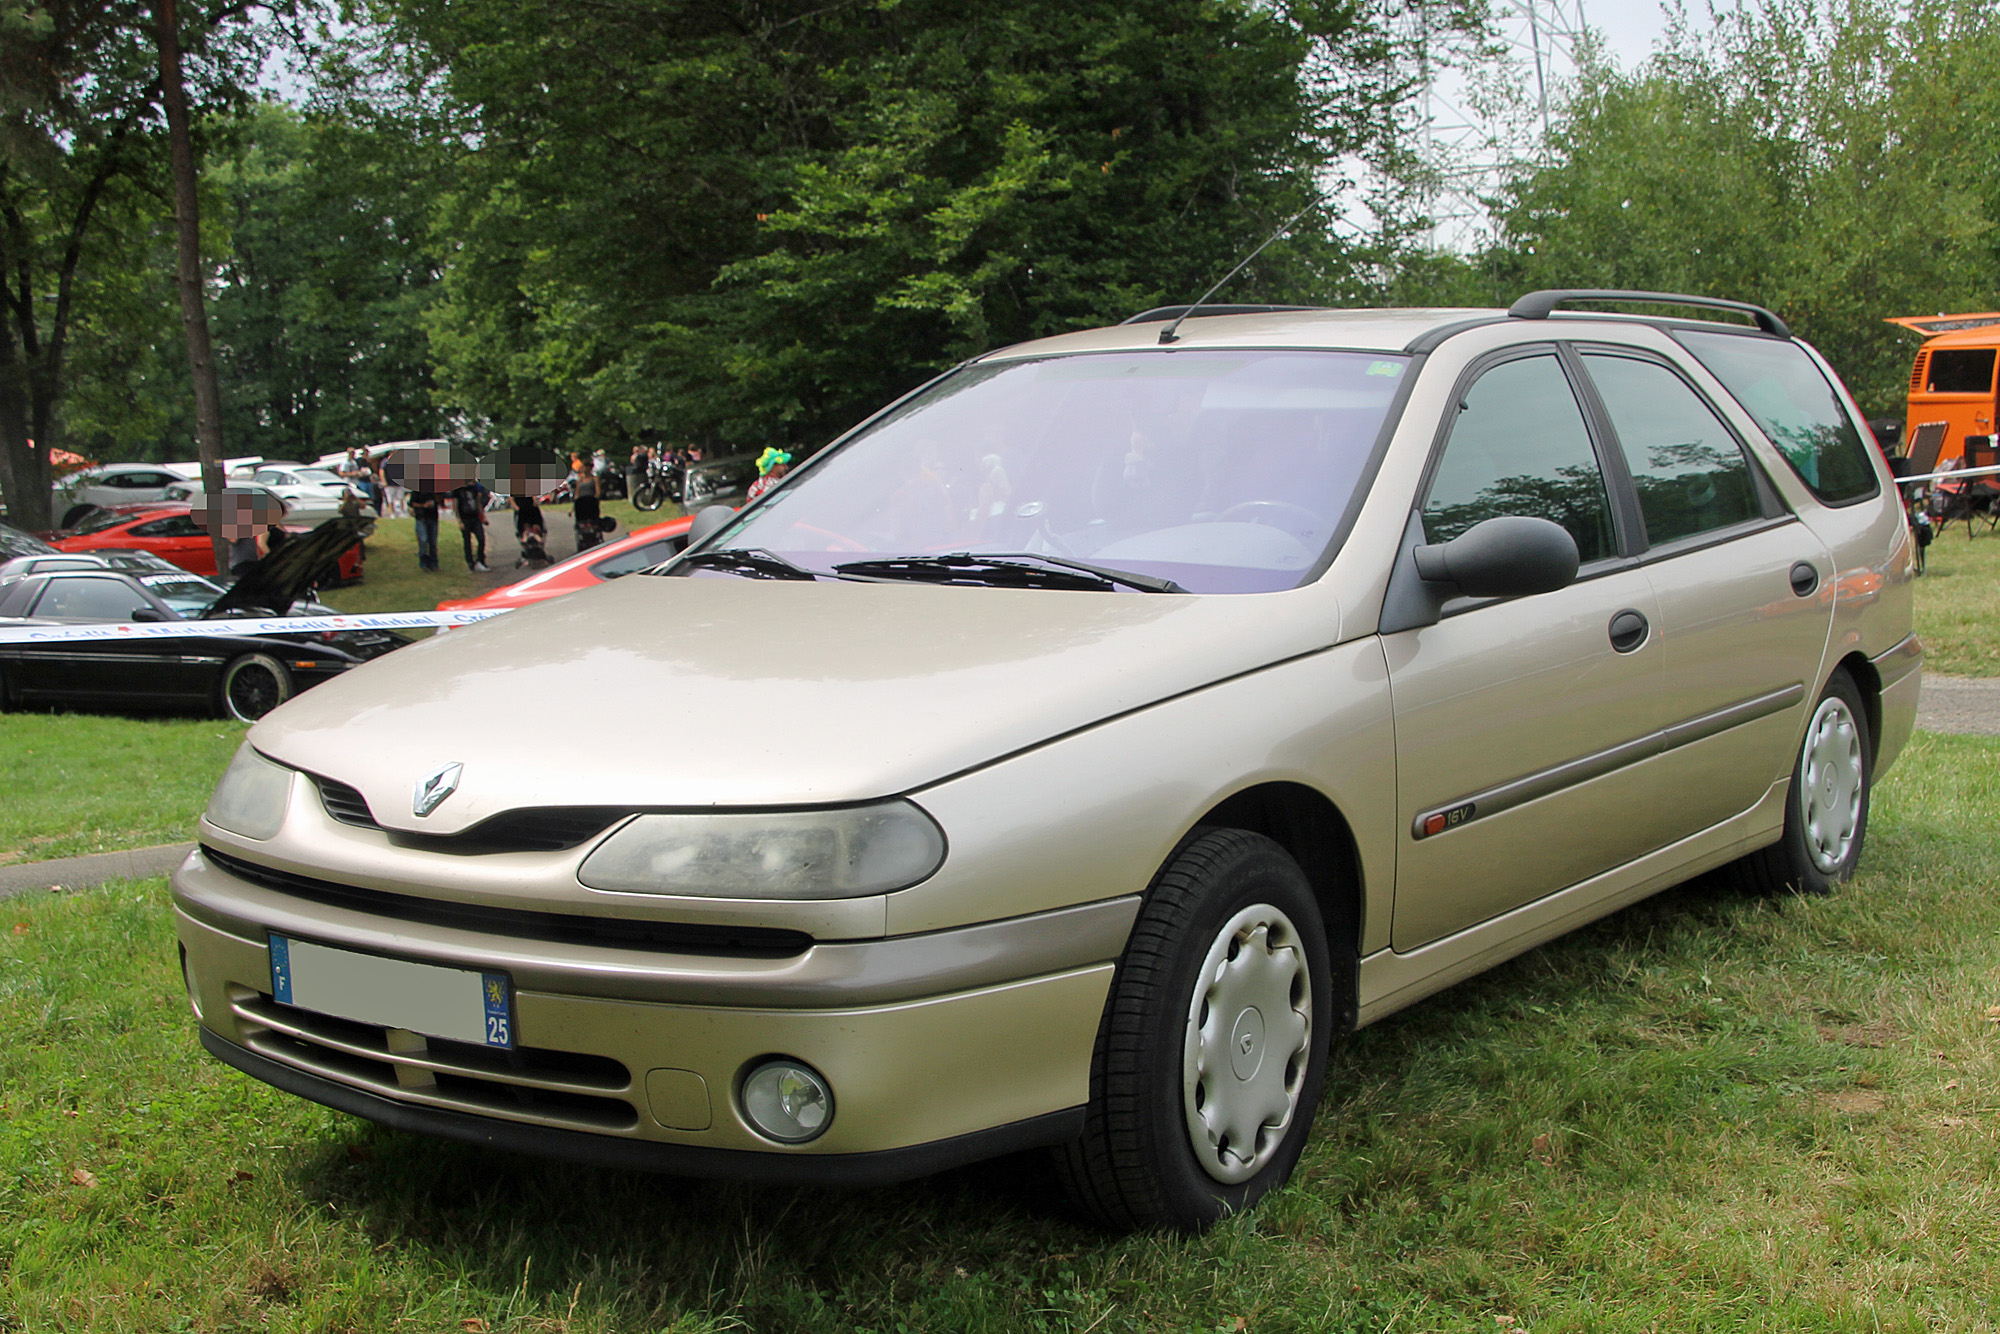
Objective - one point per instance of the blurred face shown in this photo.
(237, 513)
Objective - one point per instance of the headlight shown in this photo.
(839, 854)
(250, 800)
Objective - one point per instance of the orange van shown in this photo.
(1952, 382)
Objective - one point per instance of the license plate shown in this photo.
(455, 1003)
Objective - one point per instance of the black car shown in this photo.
(237, 676)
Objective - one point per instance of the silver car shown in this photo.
(1070, 753)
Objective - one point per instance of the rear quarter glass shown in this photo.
(1798, 407)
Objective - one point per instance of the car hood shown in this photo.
(693, 692)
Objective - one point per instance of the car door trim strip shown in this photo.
(1451, 815)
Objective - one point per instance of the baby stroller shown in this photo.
(534, 548)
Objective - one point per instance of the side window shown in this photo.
(1783, 390)
(638, 558)
(1688, 469)
(1520, 446)
(88, 600)
(179, 525)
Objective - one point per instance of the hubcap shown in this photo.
(1830, 785)
(1249, 1028)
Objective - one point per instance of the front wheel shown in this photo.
(1826, 804)
(648, 497)
(1213, 1044)
(252, 686)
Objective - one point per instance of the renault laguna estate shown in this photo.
(1068, 754)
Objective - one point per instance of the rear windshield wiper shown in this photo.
(1022, 569)
(750, 562)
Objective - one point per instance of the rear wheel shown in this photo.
(1213, 1045)
(252, 686)
(76, 514)
(1826, 805)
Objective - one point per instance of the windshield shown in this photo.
(99, 521)
(14, 542)
(318, 477)
(1224, 472)
(188, 594)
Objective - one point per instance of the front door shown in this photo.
(1522, 730)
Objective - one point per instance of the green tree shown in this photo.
(1830, 159)
(758, 220)
(82, 171)
(321, 290)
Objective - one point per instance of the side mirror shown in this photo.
(140, 614)
(707, 522)
(1511, 556)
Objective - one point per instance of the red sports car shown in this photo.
(169, 531)
(637, 550)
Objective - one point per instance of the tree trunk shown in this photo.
(194, 313)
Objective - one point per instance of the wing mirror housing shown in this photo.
(1508, 557)
(707, 522)
(1505, 557)
(143, 614)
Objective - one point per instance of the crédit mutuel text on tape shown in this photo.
(240, 625)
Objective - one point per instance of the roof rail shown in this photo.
(1538, 305)
(1159, 313)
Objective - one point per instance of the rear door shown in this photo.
(1743, 588)
(1522, 730)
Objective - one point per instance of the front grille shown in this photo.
(526, 923)
(535, 829)
(560, 1088)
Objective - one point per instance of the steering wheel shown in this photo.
(1286, 517)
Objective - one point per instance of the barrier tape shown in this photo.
(267, 625)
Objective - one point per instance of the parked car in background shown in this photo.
(169, 530)
(1069, 755)
(637, 550)
(308, 495)
(237, 676)
(14, 542)
(113, 484)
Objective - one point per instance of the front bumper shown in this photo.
(940, 1048)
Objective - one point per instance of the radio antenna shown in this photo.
(1170, 334)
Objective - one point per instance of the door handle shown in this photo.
(1804, 579)
(1628, 630)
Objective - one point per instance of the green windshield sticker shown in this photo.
(1385, 368)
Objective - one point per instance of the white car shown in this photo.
(311, 495)
(116, 484)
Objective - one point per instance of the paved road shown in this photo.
(78, 872)
(1968, 705)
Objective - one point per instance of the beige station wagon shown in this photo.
(1067, 755)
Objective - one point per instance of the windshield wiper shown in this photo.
(1011, 569)
(750, 562)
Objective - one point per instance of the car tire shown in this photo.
(251, 686)
(76, 514)
(1826, 802)
(1179, 1085)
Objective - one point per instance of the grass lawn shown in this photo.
(1708, 1112)
(1958, 604)
(91, 783)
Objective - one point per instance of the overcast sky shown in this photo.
(1630, 27)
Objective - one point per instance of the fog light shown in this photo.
(787, 1101)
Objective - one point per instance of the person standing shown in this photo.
(424, 511)
(586, 512)
(772, 465)
(636, 468)
(468, 502)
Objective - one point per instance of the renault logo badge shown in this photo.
(432, 791)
